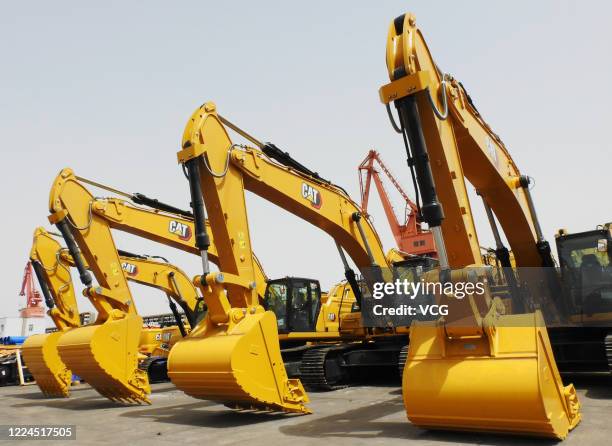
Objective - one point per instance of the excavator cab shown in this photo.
(583, 343)
(586, 272)
(295, 302)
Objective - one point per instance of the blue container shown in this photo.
(13, 340)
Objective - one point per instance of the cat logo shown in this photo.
(129, 268)
(312, 195)
(181, 229)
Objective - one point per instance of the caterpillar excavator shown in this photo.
(494, 372)
(110, 364)
(244, 366)
(51, 262)
(326, 344)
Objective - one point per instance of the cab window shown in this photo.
(276, 301)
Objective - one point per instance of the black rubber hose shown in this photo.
(139, 198)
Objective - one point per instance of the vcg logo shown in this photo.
(129, 268)
(312, 195)
(181, 229)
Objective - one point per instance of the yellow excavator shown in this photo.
(109, 363)
(492, 372)
(51, 263)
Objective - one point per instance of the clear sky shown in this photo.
(106, 88)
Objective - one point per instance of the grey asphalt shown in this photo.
(357, 415)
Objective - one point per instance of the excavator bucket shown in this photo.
(106, 357)
(44, 363)
(509, 384)
(240, 367)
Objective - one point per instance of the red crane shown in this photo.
(409, 236)
(34, 307)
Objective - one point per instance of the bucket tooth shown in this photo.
(106, 357)
(511, 387)
(239, 367)
(44, 363)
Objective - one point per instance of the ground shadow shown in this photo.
(199, 414)
(83, 403)
(32, 396)
(365, 423)
(36, 394)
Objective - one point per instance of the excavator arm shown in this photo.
(174, 229)
(447, 143)
(307, 196)
(161, 275)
